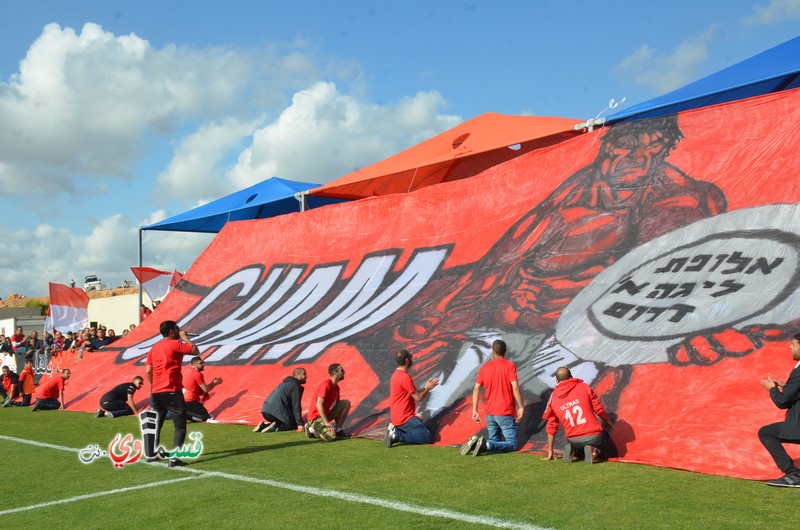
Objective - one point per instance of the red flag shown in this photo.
(176, 277)
(69, 307)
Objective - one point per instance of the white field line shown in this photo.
(95, 495)
(320, 492)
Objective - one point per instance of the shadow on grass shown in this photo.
(253, 449)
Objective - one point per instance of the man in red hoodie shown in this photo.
(575, 406)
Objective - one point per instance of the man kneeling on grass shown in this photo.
(576, 407)
(404, 425)
(326, 418)
(119, 400)
(281, 410)
(50, 395)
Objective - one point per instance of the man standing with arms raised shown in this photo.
(164, 373)
(499, 377)
(404, 425)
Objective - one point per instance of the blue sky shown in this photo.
(115, 114)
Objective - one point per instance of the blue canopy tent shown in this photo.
(272, 197)
(771, 71)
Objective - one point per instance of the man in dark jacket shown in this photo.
(785, 395)
(281, 410)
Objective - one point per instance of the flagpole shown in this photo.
(139, 307)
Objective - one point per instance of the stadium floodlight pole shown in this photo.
(138, 307)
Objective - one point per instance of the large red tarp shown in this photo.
(658, 259)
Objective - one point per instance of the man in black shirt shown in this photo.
(119, 400)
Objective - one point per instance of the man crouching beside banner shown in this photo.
(576, 407)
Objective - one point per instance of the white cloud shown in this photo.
(325, 134)
(774, 11)
(31, 258)
(82, 104)
(662, 73)
(193, 173)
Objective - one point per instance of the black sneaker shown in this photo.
(786, 481)
(481, 446)
(35, 406)
(568, 452)
(260, 427)
(99, 414)
(176, 462)
(469, 445)
(341, 435)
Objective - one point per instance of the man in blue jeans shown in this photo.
(405, 426)
(499, 377)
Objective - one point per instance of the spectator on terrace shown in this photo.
(112, 335)
(69, 340)
(50, 394)
(100, 340)
(5, 347)
(144, 312)
(125, 332)
(38, 343)
(18, 338)
(59, 341)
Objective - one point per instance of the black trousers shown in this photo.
(172, 402)
(195, 411)
(772, 442)
(269, 418)
(116, 408)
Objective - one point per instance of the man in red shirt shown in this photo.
(25, 386)
(10, 388)
(499, 377)
(18, 338)
(575, 406)
(164, 373)
(404, 425)
(197, 390)
(328, 408)
(50, 395)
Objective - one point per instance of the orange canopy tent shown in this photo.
(460, 152)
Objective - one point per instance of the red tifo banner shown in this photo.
(657, 259)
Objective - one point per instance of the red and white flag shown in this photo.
(176, 277)
(155, 283)
(69, 307)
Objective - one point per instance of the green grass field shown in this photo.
(275, 480)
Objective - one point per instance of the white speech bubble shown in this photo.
(730, 270)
